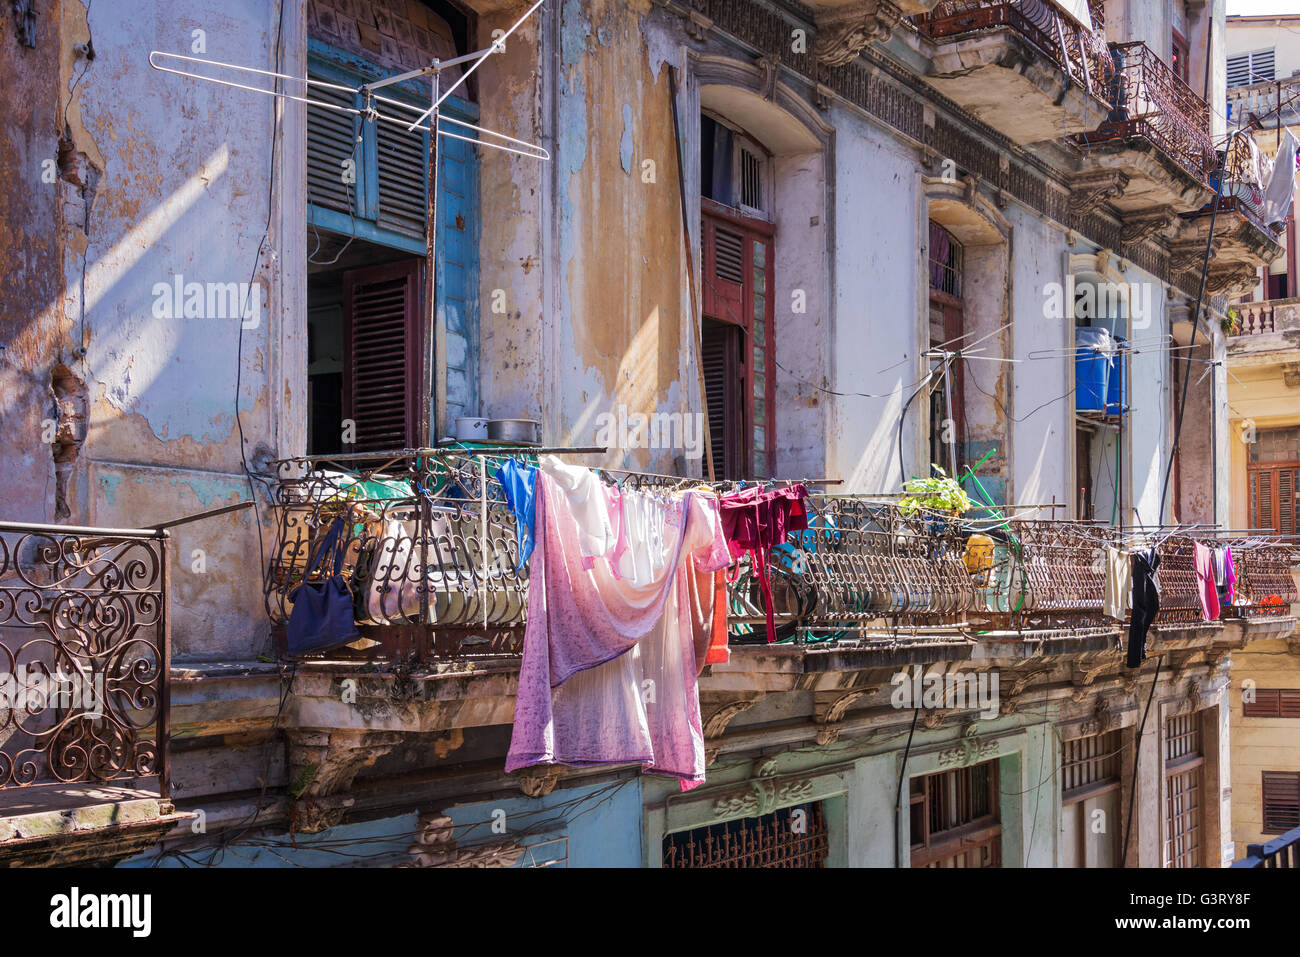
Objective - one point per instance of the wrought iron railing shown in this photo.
(430, 550)
(1082, 54)
(84, 655)
(431, 554)
(1282, 851)
(1265, 586)
(1150, 101)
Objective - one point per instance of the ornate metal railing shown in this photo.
(1282, 851)
(1265, 583)
(1149, 101)
(1082, 54)
(84, 655)
(431, 555)
(430, 551)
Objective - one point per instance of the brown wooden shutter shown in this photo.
(1289, 703)
(724, 272)
(382, 322)
(1281, 801)
(723, 381)
(1267, 704)
(1286, 489)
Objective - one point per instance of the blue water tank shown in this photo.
(1117, 389)
(1092, 358)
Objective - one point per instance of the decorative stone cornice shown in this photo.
(842, 34)
(1090, 189)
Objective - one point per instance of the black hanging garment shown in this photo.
(1146, 604)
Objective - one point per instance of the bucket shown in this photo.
(1117, 388)
(1092, 354)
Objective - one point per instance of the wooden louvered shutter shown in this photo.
(721, 354)
(403, 179)
(724, 272)
(331, 141)
(1286, 500)
(1281, 801)
(1261, 495)
(1267, 704)
(1289, 703)
(382, 368)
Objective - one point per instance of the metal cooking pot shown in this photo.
(521, 431)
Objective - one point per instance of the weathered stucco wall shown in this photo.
(879, 267)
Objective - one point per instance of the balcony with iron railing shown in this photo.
(1157, 135)
(1012, 63)
(84, 657)
(1244, 241)
(431, 553)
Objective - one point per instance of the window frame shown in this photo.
(935, 847)
(339, 66)
(713, 214)
(1274, 827)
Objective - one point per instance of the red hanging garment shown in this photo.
(756, 520)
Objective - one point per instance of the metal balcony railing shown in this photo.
(1282, 851)
(431, 555)
(1149, 101)
(84, 655)
(1081, 54)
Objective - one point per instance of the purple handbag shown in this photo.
(322, 616)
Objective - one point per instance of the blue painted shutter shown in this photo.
(457, 286)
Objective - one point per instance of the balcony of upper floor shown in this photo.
(429, 551)
(84, 691)
(1017, 65)
(1243, 241)
(1266, 333)
(1152, 155)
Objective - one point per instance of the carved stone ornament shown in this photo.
(1139, 227)
(843, 34)
(762, 795)
(967, 751)
(540, 780)
(436, 847)
(1089, 190)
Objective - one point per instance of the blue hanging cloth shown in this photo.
(518, 482)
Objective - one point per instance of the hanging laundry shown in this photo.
(1206, 589)
(756, 520)
(1117, 592)
(1225, 577)
(518, 482)
(609, 666)
(1146, 604)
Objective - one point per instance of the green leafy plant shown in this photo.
(939, 493)
(1231, 323)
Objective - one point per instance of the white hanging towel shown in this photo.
(1281, 185)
